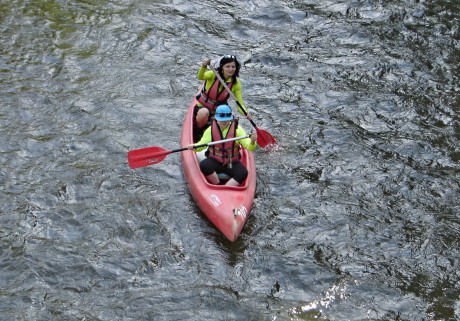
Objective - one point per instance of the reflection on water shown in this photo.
(356, 211)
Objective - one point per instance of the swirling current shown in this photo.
(357, 212)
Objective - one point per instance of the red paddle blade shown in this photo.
(147, 156)
(264, 138)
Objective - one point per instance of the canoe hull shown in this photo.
(226, 207)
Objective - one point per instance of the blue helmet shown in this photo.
(223, 113)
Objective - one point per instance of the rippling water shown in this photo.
(356, 215)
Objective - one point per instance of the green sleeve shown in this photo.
(201, 73)
(205, 74)
(205, 139)
(245, 142)
(239, 97)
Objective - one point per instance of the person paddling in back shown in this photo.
(214, 94)
(224, 158)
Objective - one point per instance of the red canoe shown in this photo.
(227, 207)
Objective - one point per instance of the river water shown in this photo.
(357, 212)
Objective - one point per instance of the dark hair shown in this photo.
(225, 60)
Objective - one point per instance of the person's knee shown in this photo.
(203, 114)
(241, 175)
(206, 167)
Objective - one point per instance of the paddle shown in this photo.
(153, 155)
(264, 138)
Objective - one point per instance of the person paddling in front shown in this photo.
(214, 94)
(224, 158)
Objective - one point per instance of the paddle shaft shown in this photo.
(149, 154)
(220, 141)
(153, 155)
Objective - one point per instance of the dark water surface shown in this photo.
(357, 213)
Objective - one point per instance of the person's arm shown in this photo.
(205, 139)
(239, 97)
(208, 75)
(203, 68)
(204, 73)
(248, 143)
